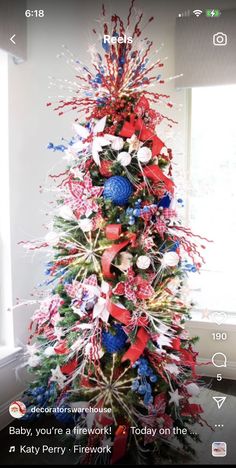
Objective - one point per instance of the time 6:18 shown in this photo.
(34, 13)
(218, 336)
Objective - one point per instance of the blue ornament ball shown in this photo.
(116, 342)
(118, 189)
(38, 391)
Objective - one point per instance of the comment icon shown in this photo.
(219, 360)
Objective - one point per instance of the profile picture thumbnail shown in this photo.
(219, 449)
(17, 409)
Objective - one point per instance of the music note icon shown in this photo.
(12, 449)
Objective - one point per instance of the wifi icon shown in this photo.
(197, 13)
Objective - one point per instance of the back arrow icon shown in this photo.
(12, 38)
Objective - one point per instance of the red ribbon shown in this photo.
(103, 418)
(118, 313)
(143, 107)
(188, 360)
(61, 347)
(154, 173)
(137, 347)
(176, 343)
(142, 337)
(120, 442)
(110, 253)
(69, 367)
(113, 231)
(145, 134)
(121, 314)
(191, 409)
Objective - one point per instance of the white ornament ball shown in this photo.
(144, 154)
(66, 212)
(193, 389)
(124, 158)
(170, 259)
(49, 351)
(143, 262)
(86, 224)
(117, 144)
(34, 360)
(52, 238)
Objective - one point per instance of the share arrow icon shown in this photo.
(219, 400)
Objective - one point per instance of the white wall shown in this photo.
(33, 125)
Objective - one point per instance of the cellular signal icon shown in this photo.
(197, 13)
(184, 14)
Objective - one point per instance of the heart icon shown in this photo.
(219, 317)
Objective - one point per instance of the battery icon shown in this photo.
(215, 13)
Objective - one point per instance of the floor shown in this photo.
(225, 416)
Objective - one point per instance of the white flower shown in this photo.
(134, 143)
(34, 361)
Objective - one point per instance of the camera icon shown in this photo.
(220, 39)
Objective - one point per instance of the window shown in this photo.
(6, 322)
(212, 199)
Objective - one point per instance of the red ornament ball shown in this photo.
(105, 168)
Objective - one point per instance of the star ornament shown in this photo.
(90, 139)
(31, 350)
(58, 376)
(175, 397)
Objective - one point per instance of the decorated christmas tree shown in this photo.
(108, 346)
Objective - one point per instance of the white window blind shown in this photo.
(213, 194)
(6, 322)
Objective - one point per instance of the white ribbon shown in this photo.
(100, 309)
(97, 142)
